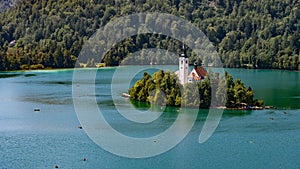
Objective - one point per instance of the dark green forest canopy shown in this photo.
(50, 33)
(163, 88)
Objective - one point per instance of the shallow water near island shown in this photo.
(243, 139)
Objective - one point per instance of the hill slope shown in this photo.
(258, 33)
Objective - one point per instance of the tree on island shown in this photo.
(151, 89)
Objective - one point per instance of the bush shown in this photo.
(37, 67)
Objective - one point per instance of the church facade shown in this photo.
(198, 73)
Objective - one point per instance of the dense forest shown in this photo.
(247, 33)
(162, 88)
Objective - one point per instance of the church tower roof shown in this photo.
(183, 52)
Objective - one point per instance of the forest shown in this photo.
(262, 34)
(162, 88)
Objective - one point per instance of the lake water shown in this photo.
(243, 139)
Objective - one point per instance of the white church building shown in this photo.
(184, 75)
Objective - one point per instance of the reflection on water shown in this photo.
(9, 75)
(30, 75)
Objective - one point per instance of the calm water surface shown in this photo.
(244, 139)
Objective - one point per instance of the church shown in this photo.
(197, 74)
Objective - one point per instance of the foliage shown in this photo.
(163, 88)
(247, 33)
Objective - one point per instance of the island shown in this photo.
(177, 88)
(161, 82)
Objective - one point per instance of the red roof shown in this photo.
(201, 72)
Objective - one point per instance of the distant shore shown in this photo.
(83, 66)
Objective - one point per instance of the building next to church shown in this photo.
(184, 75)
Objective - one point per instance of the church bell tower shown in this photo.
(183, 66)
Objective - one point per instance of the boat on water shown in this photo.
(125, 95)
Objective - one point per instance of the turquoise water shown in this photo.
(243, 139)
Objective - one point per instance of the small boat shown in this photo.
(125, 95)
(270, 107)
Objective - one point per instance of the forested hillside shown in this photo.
(50, 33)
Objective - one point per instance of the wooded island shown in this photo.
(150, 88)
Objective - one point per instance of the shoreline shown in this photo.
(220, 108)
(49, 69)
